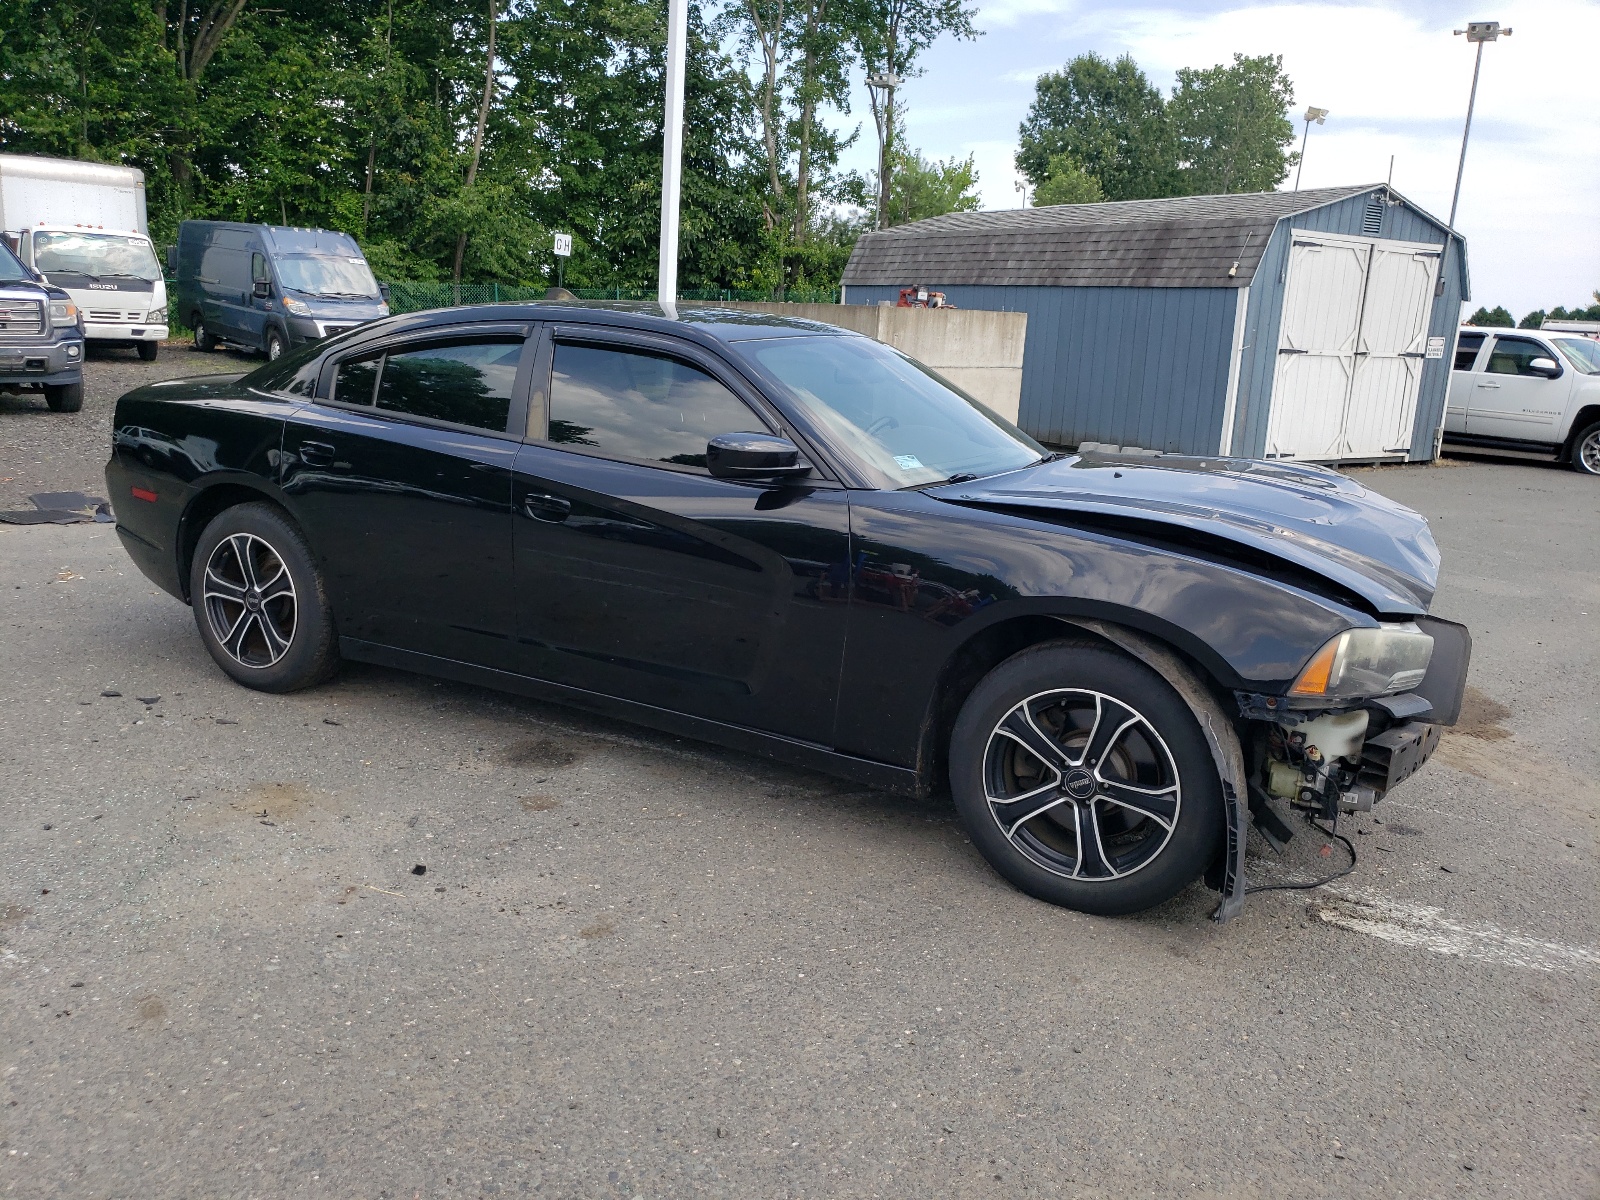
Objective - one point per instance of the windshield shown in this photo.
(96, 255)
(1581, 353)
(11, 268)
(907, 422)
(345, 277)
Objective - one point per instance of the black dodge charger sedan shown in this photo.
(793, 540)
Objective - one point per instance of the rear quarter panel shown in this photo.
(178, 441)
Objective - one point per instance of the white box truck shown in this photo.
(82, 227)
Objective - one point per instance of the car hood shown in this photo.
(1304, 515)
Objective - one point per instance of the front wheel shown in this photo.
(1586, 450)
(1085, 780)
(260, 603)
(149, 350)
(275, 345)
(65, 397)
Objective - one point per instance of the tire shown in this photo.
(275, 345)
(1585, 457)
(285, 640)
(149, 350)
(203, 341)
(64, 397)
(1024, 815)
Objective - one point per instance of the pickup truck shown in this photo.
(41, 337)
(1526, 392)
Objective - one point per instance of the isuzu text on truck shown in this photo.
(82, 227)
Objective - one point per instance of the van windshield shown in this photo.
(342, 277)
(97, 255)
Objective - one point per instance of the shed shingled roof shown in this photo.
(1185, 241)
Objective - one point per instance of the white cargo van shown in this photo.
(82, 226)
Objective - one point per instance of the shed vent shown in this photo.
(1372, 221)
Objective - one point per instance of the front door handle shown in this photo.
(542, 506)
(316, 454)
(1489, 385)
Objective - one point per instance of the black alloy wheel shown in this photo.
(259, 601)
(203, 341)
(1085, 780)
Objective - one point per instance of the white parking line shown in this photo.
(1431, 929)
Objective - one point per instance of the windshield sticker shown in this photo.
(908, 462)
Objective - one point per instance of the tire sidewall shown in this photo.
(274, 338)
(203, 341)
(1195, 841)
(312, 653)
(1583, 436)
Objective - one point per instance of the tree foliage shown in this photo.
(396, 121)
(1099, 124)
(921, 188)
(1492, 317)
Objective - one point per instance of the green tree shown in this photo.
(1067, 183)
(921, 188)
(1231, 126)
(1533, 320)
(1496, 316)
(1109, 119)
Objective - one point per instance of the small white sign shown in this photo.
(1436, 347)
(564, 245)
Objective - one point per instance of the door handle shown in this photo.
(1489, 385)
(316, 454)
(542, 506)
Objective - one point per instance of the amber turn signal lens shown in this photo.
(1314, 679)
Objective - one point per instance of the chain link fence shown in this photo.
(414, 297)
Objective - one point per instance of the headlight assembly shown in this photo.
(298, 307)
(63, 312)
(157, 316)
(1363, 663)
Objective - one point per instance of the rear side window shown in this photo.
(630, 404)
(467, 383)
(355, 380)
(1467, 347)
(1511, 356)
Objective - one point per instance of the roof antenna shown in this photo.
(1390, 182)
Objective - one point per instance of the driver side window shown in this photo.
(637, 405)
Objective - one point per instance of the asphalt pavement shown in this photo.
(408, 939)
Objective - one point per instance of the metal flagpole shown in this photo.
(672, 149)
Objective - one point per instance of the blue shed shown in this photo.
(1316, 325)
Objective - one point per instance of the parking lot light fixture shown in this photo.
(1319, 115)
(672, 150)
(885, 83)
(1480, 32)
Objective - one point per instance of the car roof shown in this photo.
(717, 324)
(1503, 330)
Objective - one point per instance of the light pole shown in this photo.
(1319, 115)
(1022, 186)
(1480, 32)
(672, 150)
(884, 82)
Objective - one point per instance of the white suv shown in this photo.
(1526, 392)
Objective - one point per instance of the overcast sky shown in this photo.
(1394, 80)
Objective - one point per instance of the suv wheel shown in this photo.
(1083, 778)
(1586, 450)
(260, 603)
(64, 397)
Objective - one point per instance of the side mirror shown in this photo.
(262, 289)
(172, 260)
(762, 457)
(383, 290)
(1548, 367)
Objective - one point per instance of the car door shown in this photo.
(1512, 399)
(1462, 379)
(224, 272)
(400, 474)
(254, 310)
(639, 575)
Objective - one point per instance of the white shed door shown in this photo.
(1351, 341)
(1317, 343)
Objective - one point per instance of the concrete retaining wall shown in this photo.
(978, 351)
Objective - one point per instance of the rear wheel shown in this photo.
(1586, 450)
(149, 350)
(203, 341)
(1084, 779)
(64, 397)
(260, 603)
